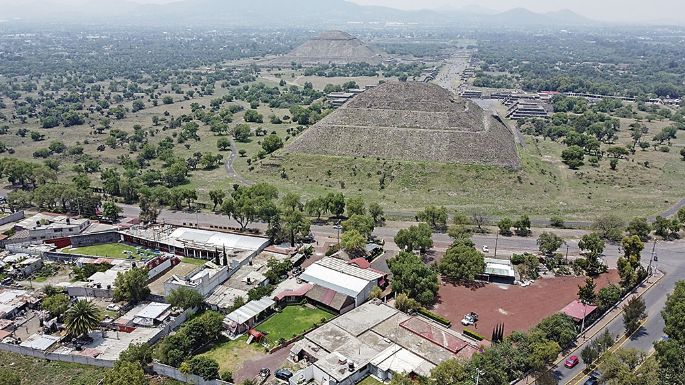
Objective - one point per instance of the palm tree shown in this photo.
(81, 318)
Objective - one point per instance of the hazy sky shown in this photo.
(610, 10)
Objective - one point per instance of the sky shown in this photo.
(603, 10)
(608, 10)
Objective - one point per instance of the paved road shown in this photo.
(672, 263)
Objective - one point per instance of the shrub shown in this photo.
(474, 335)
(435, 317)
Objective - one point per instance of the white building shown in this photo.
(342, 277)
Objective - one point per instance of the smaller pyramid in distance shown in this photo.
(331, 47)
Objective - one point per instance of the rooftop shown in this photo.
(249, 310)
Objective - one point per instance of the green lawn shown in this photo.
(194, 261)
(370, 381)
(291, 322)
(109, 250)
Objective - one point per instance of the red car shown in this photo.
(571, 362)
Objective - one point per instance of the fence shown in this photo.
(73, 358)
(171, 372)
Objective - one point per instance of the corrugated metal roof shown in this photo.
(345, 268)
(250, 310)
(153, 310)
(218, 240)
(333, 279)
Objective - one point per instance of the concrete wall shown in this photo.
(56, 357)
(14, 217)
(95, 238)
(176, 374)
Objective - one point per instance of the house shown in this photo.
(152, 314)
(343, 278)
(499, 270)
(248, 315)
(578, 311)
(377, 339)
(203, 279)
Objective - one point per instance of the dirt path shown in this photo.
(230, 170)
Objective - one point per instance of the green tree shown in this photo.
(608, 296)
(586, 293)
(140, 353)
(670, 355)
(364, 224)
(335, 203)
(316, 207)
(609, 227)
(131, 286)
(295, 225)
(633, 313)
(435, 216)
(549, 243)
(450, 372)
(593, 247)
(415, 237)
(462, 263)
(242, 133)
(111, 211)
(639, 227)
(56, 304)
(573, 156)
(353, 242)
(81, 318)
(223, 144)
(589, 354)
(125, 373)
(559, 328)
(505, 225)
(185, 298)
(356, 206)
(272, 143)
(217, 196)
(413, 277)
(376, 212)
(204, 367)
(522, 226)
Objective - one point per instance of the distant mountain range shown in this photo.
(268, 13)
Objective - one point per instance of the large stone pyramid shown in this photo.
(331, 47)
(412, 121)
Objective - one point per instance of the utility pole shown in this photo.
(566, 253)
(496, 240)
(478, 374)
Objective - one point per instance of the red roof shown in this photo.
(3, 334)
(577, 310)
(299, 292)
(361, 263)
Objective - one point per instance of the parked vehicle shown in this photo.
(571, 362)
(591, 381)
(283, 374)
(469, 319)
(486, 249)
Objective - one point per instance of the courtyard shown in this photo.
(111, 250)
(518, 308)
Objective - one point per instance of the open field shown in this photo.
(291, 322)
(41, 372)
(231, 355)
(543, 187)
(108, 250)
(519, 308)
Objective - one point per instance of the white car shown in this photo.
(113, 307)
(486, 249)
